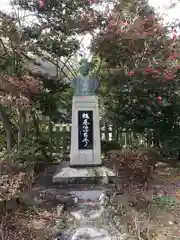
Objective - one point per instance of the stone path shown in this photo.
(90, 219)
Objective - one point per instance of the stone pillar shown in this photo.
(85, 132)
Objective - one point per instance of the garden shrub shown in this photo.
(107, 146)
(136, 163)
(32, 153)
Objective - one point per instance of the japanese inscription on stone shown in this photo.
(85, 129)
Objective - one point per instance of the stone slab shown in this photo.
(85, 157)
(90, 233)
(92, 195)
(87, 211)
(69, 175)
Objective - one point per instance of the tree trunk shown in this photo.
(50, 137)
(10, 138)
(156, 141)
(36, 123)
(21, 125)
(117, 135)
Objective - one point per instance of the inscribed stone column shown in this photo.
(85, 133)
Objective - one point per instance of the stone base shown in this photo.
(69, 175)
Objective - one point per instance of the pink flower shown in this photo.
(131, 73)
(41, 4)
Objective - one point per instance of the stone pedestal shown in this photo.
(83, 175)
(85, 109)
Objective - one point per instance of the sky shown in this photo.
(162, 5)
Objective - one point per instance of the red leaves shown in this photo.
(137, 162)
(148, 19)
(18, 92)
(122, 23)
(118, 24)
(19, 101)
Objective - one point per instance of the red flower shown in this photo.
(110, 17)
(150, 17)
(169, 76)
(123, 23)
(159, 98)
(111, 24)
(41, 4)
(172, 56)
(155, 71)
(131, 73)
(118, 31)
(174, 36)
(148, 69)
(146, 20)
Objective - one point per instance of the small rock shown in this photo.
(170, 223)
(77, 215)
(103, 199)
(60, 210)
(59, 236)
(67, 201)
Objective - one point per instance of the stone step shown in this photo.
(66, 174)
(71, 187)
(82, 191)
(66, 195)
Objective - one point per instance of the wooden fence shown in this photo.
(61, 136)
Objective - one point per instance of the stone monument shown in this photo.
(85, 156)
(85, 133)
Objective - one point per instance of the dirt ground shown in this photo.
(155, 215)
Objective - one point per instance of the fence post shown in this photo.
(102, 131)
(114, 133)
(125, 139)
(106, 131)
(64, 139)
(58, 139)
(50, 132)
